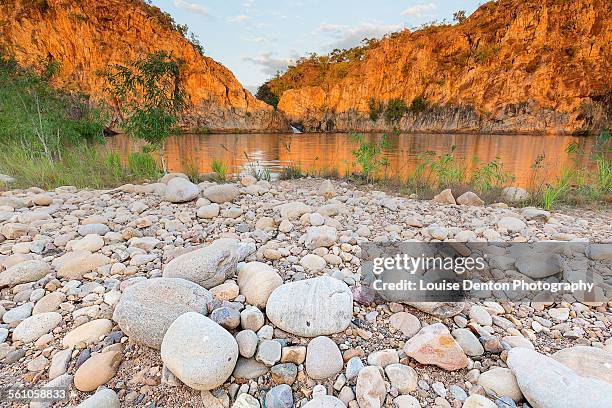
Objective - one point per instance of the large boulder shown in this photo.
(32, 328)
(199, 352)
(24, 272)
(514, 194)
(311, 307)
(222, 193)
(209, 266)
(323, 358)
(257, 281)
(147, 308)
(587, 361)
(546, 383)
(180, 190)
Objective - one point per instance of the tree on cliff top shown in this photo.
(149, 96)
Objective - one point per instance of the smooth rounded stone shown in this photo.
(245, 401)
(457, 392)
(208, 211)
(293, 354)
(104, 398)
(180, 190)
(546, 383)
(323, 358)
(91, 243)
(37, 364)
(49, 303)
(514, 194)
(32, 328)
(444, 197)
(587, 361)
(600, 252)
(59, 363)
(199, 352)
(324, 401)
(249, 368)
(434, 345)
(280, 396)
(406, 322)
(406, 401)
(327, 189)
(353, 367)
(284, 373)
(311, 307)
(225, 291)
(97, 370)
(511, 224)
(77, 267)
(480, 315)
(3, 334)
(94, 228)
(293, 210)
(438, 309)
(559, 314)
(147, 308)
(318, 237)
(313, 262)
(502, 382)
(402, 377)
(221, 193)
(285, 226)
(248, 180)
(268, 352)
(383, 358)
(468, 342)
(538, 266)
(87, 333)
(18, 313)
(257, 281)
(469, 198)
(251, 318)
(14, 355)
(209, 266)
(24, 272)
(247, 343)
(62, 382)
(370, 389)
(532, 213)
(517, 341)
(226, 317)
(478, 401)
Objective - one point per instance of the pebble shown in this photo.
(323, 358)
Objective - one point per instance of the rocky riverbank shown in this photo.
(249, 295)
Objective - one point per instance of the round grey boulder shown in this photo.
(311, 307)
(180, 190)
(199, 352)
(221, 193)
(146, 309)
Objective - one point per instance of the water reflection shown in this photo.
(325, 151)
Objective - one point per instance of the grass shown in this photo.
(219, 168)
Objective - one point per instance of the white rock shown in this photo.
(32, 328)
(323, 358)
(180, 190)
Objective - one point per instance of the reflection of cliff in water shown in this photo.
(325, 151)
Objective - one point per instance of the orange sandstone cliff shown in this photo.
(85, 36)
(513, 66)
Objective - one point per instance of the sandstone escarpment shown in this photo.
(512, 66)
(84, 37)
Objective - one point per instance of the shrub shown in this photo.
(396, 109)
(369, 155)
(264, 93)
(376, 108)
(418, 105)
(219, 168)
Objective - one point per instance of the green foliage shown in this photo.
(486, 53)
(150, 96)
(418, 105)
(396, 109)
(43, 120)
(219, 168)
(264, 93)
(291, 172)
(376, 108)
(143, 165)
(459, 16)
(369, 155)
(447, 169)
(490, 176)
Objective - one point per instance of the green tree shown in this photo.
(459, 16)
(150, 97)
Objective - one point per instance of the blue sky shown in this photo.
(255, 38)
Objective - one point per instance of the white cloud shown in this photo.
(239, 18)
(419, 10)
(255, 39)
(348, 37)
(193, 7)
(269, 63)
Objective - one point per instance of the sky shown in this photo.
(257, 38)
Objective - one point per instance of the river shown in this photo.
(327, 151)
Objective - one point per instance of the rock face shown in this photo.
(312, 307)
(199, 352)
(209, 266)
(78, 37)
(546, 383)
(146, 309)
(512, 66)
(435, 345)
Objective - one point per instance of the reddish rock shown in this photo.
(435, 345)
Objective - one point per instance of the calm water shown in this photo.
(324, 151)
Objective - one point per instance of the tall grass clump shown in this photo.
(219, 168)
(369, 155)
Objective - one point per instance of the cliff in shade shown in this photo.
(85, 36)
(513, 66)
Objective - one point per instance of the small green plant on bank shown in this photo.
(255, 169)
(291, 172)
(396, 109)
(142, 165)
(369, 155)
(150, 97)
(376, 109)
(491, 176)
(219, 168)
